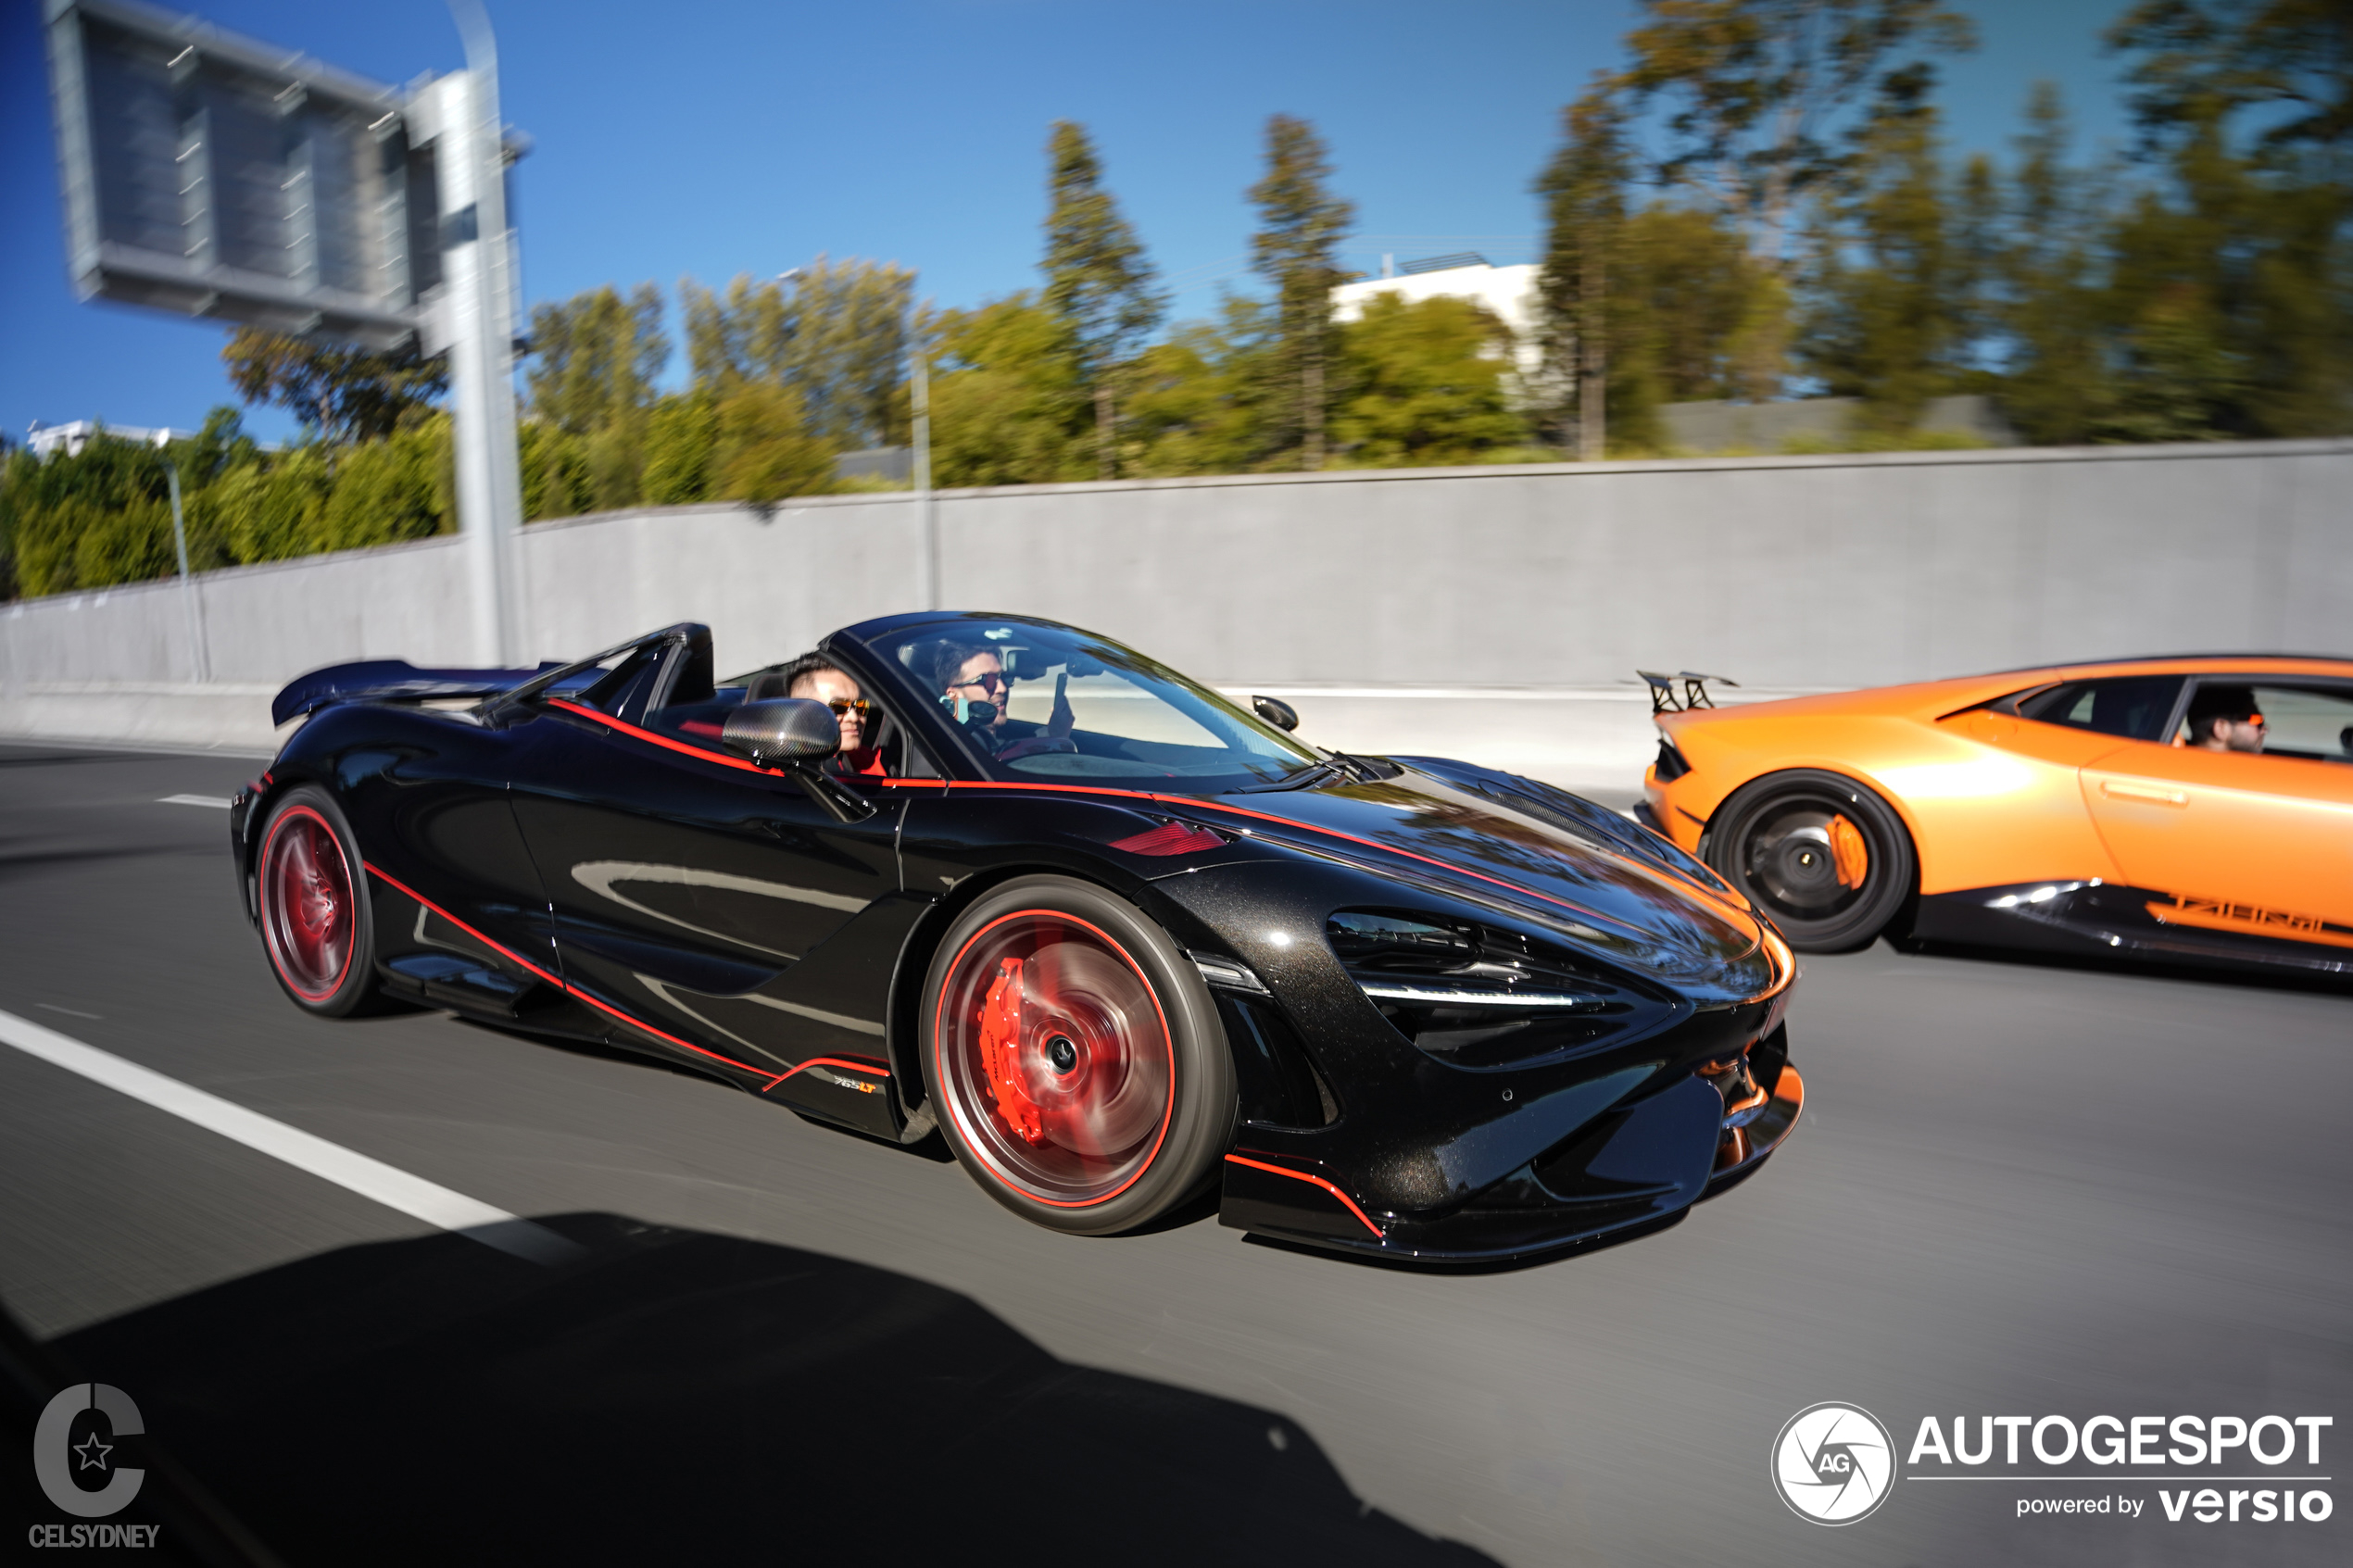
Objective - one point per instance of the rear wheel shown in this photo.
(1826, 858)
(316, 924)
(1076, 1058)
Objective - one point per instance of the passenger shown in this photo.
(2226, 719)
(819, 679)
(968, 677)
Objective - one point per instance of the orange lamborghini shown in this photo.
(2197, 809)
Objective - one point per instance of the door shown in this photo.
(2256, 842)
(710, 904)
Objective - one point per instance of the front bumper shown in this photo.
(1636, 1169)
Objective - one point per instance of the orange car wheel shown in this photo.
(1822, 855)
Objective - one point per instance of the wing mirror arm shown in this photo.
(842, 802)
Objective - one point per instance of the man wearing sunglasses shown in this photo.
(2225, 719)
(973, 688)
(814, 677)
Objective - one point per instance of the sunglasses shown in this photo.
(987, 681)
(858, 705)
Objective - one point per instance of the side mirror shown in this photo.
(1282, 715)
(784, 729)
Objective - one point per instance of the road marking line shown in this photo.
(69, 1012)
(213, 800)
(388, 1184)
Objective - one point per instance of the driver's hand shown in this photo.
(1062, 721)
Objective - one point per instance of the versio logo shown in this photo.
(1833, 1464)
(83, 1478)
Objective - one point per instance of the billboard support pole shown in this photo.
(477, 326)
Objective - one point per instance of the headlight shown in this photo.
(1475, 996)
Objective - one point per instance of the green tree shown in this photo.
(272, 511)
(765, 451)
(1200, 403)
(555, 472)
(1888, 322)
(1296, 250)
(597, 356)
(343, 394)
(682, 440)
(2230, 289)
(1694, 316)
(2053, 382)
(833, 333)
(1098, 279)
(1757, 90)
(1428, 382)
(1584, 188)
(1007, 406)
(401, 487)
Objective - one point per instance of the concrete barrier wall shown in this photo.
(1397, 604)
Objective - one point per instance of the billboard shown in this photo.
(209, 175)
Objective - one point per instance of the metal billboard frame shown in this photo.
(213, 176)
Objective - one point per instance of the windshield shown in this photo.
(1049, 704)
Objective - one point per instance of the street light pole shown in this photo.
(197, 662)
(919, 393)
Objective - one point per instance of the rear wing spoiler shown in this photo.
(392, 680)
(1664, 698)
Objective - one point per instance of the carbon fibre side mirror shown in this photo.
(1282, 715)
(784, 729)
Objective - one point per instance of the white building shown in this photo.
(1508, 292)
(72, 437)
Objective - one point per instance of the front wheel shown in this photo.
(1076, 1058)
(316, 924)
(1826, 858)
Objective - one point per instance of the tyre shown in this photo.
(311, 891)
(1074, 1057)
(1822, 855)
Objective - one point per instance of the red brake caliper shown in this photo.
(1000, 1051)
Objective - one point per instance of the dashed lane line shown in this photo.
(212, 800)
(388, 1184)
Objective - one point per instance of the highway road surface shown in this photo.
(712, 1331)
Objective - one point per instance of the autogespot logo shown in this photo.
(1833, 1464)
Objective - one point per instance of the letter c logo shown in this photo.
(51, 1455)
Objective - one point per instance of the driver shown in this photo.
(2226, 719)
(816, 678)
(975, 690)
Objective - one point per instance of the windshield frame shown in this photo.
(875, 644)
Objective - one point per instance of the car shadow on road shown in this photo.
(676, 1396)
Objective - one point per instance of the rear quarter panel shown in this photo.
(1981, 813)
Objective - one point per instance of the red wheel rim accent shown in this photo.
(1055, 1058)
(309, 920)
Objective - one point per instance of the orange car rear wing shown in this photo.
(1664, 698)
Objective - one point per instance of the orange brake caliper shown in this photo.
(999, 1053)
(1849, 853)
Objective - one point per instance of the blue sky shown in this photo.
(734, 136)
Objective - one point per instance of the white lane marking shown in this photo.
(388, 1184)
(69, 1012)
(213, 800)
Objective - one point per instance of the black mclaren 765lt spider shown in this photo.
(1117, 938)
